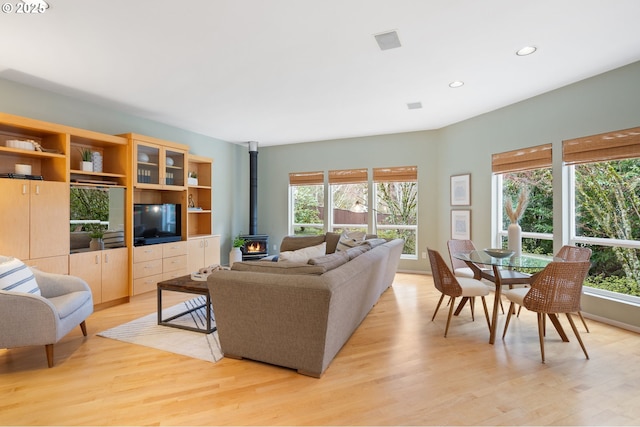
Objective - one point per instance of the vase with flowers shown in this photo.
(514, 231)
(236, 253)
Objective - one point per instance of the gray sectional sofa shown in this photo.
(299, 315)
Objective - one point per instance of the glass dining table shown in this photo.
(512, 270)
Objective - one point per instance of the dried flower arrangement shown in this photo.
(523, 200)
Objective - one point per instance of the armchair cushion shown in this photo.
(15, 276)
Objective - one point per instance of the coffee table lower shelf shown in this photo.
(186, 285)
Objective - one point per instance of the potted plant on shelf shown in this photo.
(86, 164)
(192, 179)
(236, 254)
(96, 234)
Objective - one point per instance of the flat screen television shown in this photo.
(156, 223)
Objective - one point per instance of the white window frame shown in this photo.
(573, 239)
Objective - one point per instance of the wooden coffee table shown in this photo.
(185, 284)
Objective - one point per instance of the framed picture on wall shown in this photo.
(461, 224)
(461, 190)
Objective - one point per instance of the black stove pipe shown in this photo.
(253, 187)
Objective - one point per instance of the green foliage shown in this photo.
(85, 154)
(238, 242)
(538, 217)
(88, 204)
(307, 200)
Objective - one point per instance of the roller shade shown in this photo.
(617, 145)
(348, 176)
(523, 159)
(396, 174)
(306, 178)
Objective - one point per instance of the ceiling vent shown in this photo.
(388, 40)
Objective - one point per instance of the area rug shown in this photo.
(145, 331)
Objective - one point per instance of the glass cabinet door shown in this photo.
(148, 161)
(174, 168)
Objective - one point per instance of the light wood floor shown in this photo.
(397, 369)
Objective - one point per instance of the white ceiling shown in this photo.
(288, 71)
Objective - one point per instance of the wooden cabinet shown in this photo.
(40, 146)
(203, 252)
(105, 271)
(199, 219)
(155, 263)
(34, 219)
(157, 164)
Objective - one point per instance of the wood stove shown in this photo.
(256, 246)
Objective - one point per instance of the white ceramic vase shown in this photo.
(235, 256)
(514, 238)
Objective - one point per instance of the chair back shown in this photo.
(574, 253)
(459, 246)
(443, 278)
(557, 288)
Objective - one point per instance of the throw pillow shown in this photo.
(303, 255)
(330, 261)
(15, 276)
(350, 239)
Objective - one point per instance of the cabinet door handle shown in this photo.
(206, 244)
(37, 190)
(24, 188)
(106, 258)
(97, 260)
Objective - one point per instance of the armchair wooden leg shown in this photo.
(437, 307)
(446, 329)
(541, 333)
(49, 349)
(506, 323)
(583, 321)
(575, 331)
(486, 312)
(83, 326)
(472, 304)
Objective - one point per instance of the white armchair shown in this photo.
(27, 319)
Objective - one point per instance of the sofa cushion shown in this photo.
(357, 250)
(332, 240)
(15, 276)
(330, 261)
(293, 243)
(349, 239)
(303, 255)
(285, 267)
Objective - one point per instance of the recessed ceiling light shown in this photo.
(414, 105)
(527, 50)
(456, 84)
(388, 40)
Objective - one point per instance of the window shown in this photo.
(526, 171)
(349, 192)
(306, 191)
(605, 199)
(396, 201)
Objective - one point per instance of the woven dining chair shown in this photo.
(575, 253)
(555, 290)
(460, 268)
(450, 285)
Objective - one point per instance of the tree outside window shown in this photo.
(607, 219)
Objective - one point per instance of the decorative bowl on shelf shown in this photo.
(143, 157)
(499, 253)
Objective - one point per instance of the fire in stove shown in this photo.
(255, 247)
